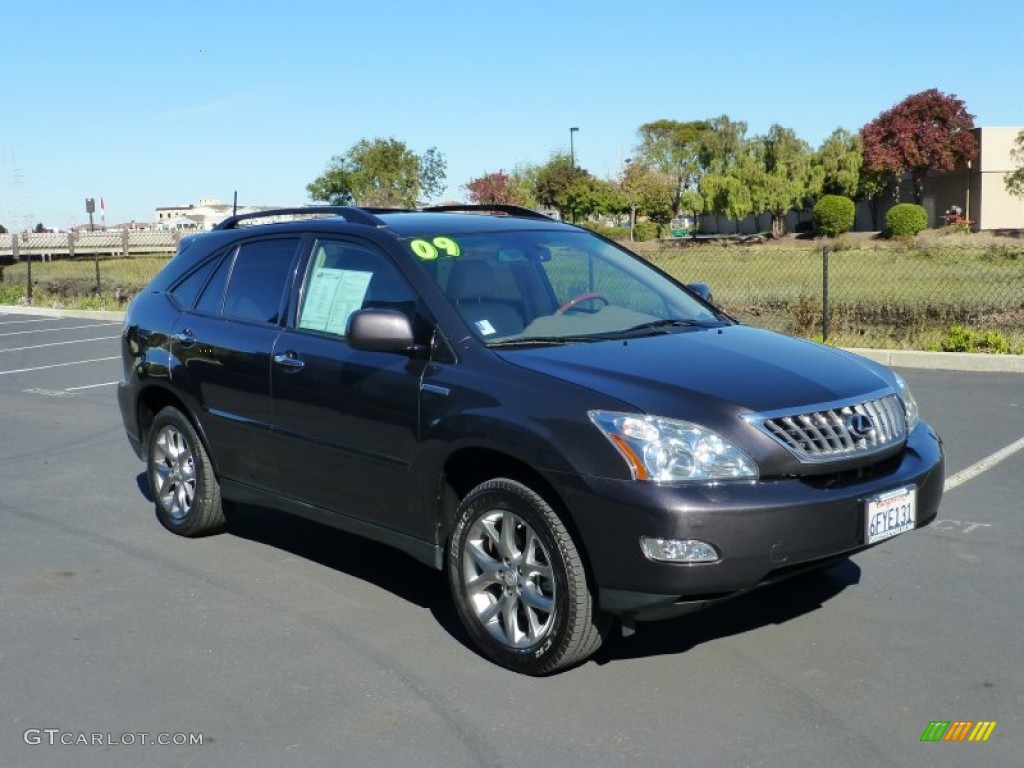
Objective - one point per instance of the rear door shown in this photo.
(223, 346)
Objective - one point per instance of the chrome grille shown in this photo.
(837, 431)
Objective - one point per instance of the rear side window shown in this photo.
(343, 278)
(259, 279)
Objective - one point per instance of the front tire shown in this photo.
(519, 582)
(185, 489)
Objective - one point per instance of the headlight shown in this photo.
(909, 403)
(672, 451)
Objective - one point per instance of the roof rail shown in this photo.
(510, 210)
(354, 215)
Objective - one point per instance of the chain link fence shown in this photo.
(914, 296)
(963, 294)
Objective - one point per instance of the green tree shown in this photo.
(723, 144)
(39, 228)
(588, 196)
(874, 187)
(787, 181)
(1015, 179)
(644, 191)
(381, 172)
(674, 149)
(3, 229)
(560, 184)
(837, 163)
(523, 185)
(729, 185)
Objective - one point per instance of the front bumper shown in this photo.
(764, 530)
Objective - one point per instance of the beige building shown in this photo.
(979, 190)
(202, 216)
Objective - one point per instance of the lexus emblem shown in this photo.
(860, 426)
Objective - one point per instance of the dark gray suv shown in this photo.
(567, 431)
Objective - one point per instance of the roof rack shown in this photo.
(354, 215)
(510, 210)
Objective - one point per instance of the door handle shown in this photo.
(289, 360)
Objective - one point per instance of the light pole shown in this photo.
(967, 207)
(572, 147)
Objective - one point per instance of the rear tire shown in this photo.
(519, 583)
(185, 489)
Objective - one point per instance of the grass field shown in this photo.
(882, 294)
(72, 282)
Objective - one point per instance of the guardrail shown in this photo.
(71, 244)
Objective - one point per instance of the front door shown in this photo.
(347, 421)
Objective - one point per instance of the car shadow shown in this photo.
(347, 553)
(421, 585)
(775, 604)
(143, 482)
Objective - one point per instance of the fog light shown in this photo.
(678, 550)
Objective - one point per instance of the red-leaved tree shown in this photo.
(491, 189)
(928, 131)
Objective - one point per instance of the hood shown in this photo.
(727, 371)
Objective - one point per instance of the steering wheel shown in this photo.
(579, 300)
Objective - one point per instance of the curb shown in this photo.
(944, 361)
(88, 314)
(896, 358)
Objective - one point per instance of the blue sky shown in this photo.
(150, 104)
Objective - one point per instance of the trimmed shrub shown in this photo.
(833, 215)
(645, 230)
(906, 220)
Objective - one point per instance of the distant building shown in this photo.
(204, 215)
(981, 189)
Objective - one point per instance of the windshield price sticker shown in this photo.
(428, 250)
(890, 514)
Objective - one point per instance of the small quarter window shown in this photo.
(187, 290)
(212, 299)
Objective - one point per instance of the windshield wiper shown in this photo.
(539, 341)
(671, 322)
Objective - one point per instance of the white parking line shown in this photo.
(34, 320)
(91, 386)
(51, 330)
(60, 365)
(985, 464)
(58, 343)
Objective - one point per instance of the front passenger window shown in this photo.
(343, 278)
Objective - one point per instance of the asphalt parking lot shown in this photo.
(283, 643)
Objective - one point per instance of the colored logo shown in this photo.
(958, 730)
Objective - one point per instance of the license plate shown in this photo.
(890, 514)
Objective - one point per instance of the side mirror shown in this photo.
(701, 289)
(381, 330)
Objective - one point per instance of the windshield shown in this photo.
(554, 287)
